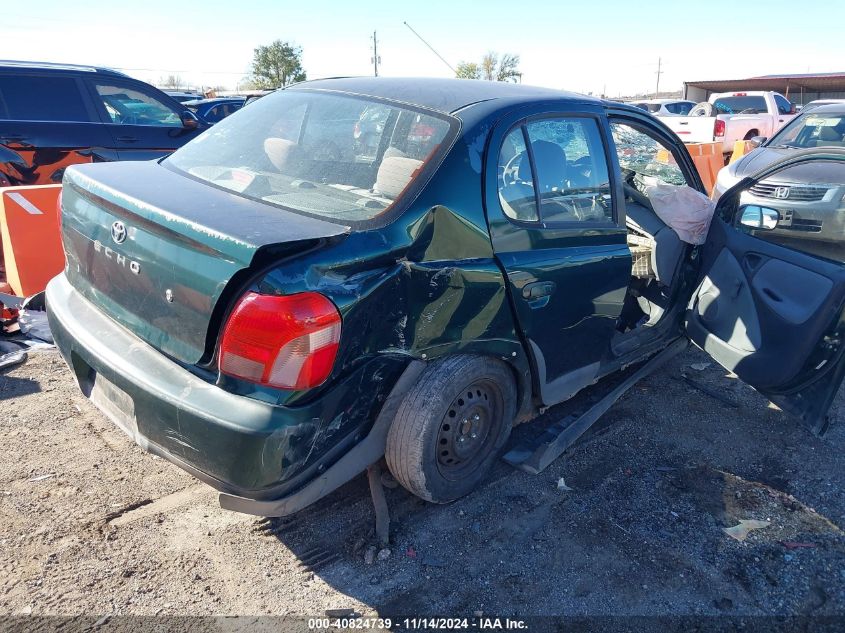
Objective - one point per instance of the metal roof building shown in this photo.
(799, 89)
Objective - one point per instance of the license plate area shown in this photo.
(118, 405)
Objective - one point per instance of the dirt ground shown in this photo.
(90, 524)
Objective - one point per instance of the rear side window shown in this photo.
(41, 98)
(735, 105)
(563, 167)
(516, 180)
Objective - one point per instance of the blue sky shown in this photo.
(582, 46)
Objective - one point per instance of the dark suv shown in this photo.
(53, 116)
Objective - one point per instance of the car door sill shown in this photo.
(533, 457)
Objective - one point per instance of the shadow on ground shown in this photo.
(641, 531)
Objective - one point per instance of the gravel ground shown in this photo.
(93, 525)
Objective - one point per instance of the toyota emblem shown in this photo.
(118, 232)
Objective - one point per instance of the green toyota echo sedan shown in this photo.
(352, 269)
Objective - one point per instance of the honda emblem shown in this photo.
(781, 193)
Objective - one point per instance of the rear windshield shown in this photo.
(814, 129)
(337, 157)
(744, 105)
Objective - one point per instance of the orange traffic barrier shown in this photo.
(741, 148)
(708, 161)
(31, 238)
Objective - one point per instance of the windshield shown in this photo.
(341, 158)
(812, 129)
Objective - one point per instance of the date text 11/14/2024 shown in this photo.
(412, 624)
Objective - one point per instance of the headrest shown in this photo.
(550, 160)
(278, 150)
(394, 174)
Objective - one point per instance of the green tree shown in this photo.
(508, 69)
(491, 68)
(277, 65)
(468, 70)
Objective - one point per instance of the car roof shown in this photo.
(10, 64)
(445, 95)
(833, 108)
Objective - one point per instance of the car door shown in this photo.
(46, 124)
(143, 123)
(769, 305)
(551, 200)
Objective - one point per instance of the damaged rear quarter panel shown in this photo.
(424, 286)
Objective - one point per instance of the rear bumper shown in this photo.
(238, 445)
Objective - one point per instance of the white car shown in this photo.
(665, 107)
(733, 116)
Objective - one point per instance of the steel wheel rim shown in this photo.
(469, 429)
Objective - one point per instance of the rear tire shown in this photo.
(450, 427)
(751, 134)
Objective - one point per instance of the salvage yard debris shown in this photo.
(23, 327)
(741, 530)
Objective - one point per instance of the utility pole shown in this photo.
(376, 59)
(657, 87)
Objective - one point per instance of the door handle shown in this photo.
(537, 290)
(127, 139)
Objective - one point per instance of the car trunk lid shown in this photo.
(154, 249)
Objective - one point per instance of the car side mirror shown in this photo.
(757, 217)
(757, 141)
(189, 120)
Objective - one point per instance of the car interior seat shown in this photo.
(668, 248)
(830, 136)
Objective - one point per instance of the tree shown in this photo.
(468, 70)
(172, 81)
(277, 65)
(491, 68)
(508, 68)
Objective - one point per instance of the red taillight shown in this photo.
(288, 342)
(719, 128)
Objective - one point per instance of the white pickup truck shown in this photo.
(733, 116)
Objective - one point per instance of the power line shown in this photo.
(431, 47)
